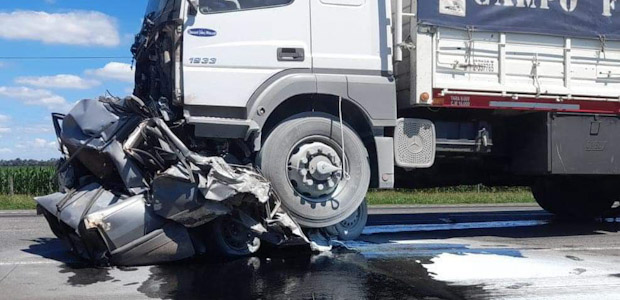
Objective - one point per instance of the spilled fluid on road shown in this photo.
(285, 274)
(337, 275)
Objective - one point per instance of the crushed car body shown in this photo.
(134, 193)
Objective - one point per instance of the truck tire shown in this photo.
(351, 228)
(574, 198)
(302, 157)
(231, 239)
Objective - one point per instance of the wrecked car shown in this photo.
(133, 193)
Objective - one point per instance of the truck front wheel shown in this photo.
(303, 159)
(580, 198)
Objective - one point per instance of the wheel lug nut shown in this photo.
(321, 187)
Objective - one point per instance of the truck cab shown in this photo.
(236, 70)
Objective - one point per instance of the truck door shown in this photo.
(231, 47)
(351, 35)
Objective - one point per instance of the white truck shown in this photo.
(329, 98)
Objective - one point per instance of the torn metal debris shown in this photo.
(134, 193)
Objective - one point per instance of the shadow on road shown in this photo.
(52, 248)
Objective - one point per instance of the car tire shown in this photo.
(352, 227)
(231, 239)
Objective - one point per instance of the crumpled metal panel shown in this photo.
(118, 224)
(71, 207)
(93, 118)
(91, 132)
(176, 198)
(170, 243)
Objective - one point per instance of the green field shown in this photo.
(22, 182)
(398, 197)
(16, 202)
(439, 197)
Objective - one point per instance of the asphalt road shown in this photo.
(463, 252)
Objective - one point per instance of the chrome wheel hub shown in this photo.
(314, 170)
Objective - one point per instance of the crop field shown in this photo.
(27, 180)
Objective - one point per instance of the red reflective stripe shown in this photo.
(524, 103)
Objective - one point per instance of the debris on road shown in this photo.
(134, 193)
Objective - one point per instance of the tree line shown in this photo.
(28, 163)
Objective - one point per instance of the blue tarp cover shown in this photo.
(576, 18)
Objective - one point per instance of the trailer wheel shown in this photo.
(302, 157)
(351, 228)
(574, 198)
(231, 239)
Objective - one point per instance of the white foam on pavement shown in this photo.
(468, 267)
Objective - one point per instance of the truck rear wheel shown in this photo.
(303, 159)
(573, 197)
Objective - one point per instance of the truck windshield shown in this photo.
(213, 6)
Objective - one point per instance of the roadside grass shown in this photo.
(413, 197)
(8, 202)
(395, 197)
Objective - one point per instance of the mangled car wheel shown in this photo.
(303, 158)
(231, 239)
(351, 228)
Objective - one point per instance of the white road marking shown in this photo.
(25, 263)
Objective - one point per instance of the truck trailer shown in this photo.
(328, 98)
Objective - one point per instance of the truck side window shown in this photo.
(215, 6)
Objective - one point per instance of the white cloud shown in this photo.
(85, 28)
(61, 81)
(34, 129)
(37, 97)
(5, 150)
(114, 71)
(4, 119)
(39, 143)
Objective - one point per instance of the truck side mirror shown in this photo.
(194, 6)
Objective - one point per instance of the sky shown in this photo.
(32, 85)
